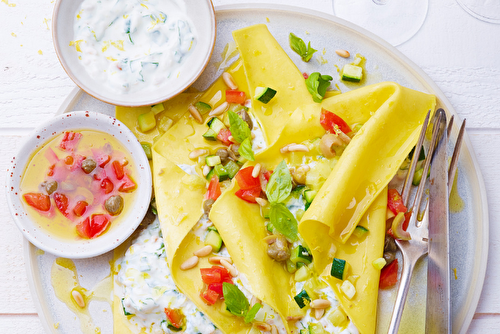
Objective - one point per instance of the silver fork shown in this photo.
(412, 250)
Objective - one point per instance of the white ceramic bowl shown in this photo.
(84, 248)
(201, 13)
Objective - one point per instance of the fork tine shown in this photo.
(405, 193)
(438, 126)
(454, 159)
(450, 126)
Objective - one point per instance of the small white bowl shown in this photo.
(84, 248)
(201, 13)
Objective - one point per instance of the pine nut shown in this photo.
(343, 53)
(345, 138)
(274, 330)
(256, 171)
(284, 149)
(297, 148)
(232, 270)
(203, 251)
(320, 303)
(252, 135)
(254, 301)
(197, 153)
(78, 298)
(270, 239)
(318, 313)
(304, 168)
(261, 201)
(217, 259)
(231, 139)
(206, 170)
(296, 318)
(195, 113)
(262, 326)
(229, 81)
(219, 110)
(190, 263)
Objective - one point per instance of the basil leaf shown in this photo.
(236, 301)
(279, 186)
(239, 128)
(298, 45)
(252, 313)
(284, 221)
(317, 85)
(245, 149)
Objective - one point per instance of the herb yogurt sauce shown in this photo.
(132, 45)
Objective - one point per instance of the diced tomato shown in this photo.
(209, 296)
(389, 275)
(100, 174)
(224, 135)
(102, 160)
(329, 120)
(74, 161)
(70, 141)
(174, 318)
(128, 184)
(208, 275)
(213, 191)
(224, 274)
(118, 169)
(246, 180)
(98, 224)
(235, 96)
(83, 228)
(305, 75)
(62, 203)
(51, 170)
(407, 220)
(216, 287)
(38, 201)
(249, 195)
(107, 185)
(68, 160)
(395, 202)
(80, 208)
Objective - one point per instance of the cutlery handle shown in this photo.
(404, 286)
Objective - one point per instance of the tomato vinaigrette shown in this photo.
(79, 184)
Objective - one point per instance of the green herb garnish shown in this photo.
(317, 85)
(280, 184)
(298, 45)
(236, 301)
(284, 221)
(252, 313)
(239, 128)
(245, 150)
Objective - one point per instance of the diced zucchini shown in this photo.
(309, 195)
(315, 328)
(417, 177)
(352, 73)
(290, 266)
(147, 149)
(125, 311)
(221, 172)
(202, 107)
(304, 331)
(421, 156)
(157, 108)
(299, 214)
(379, 263)
(302, 274)
(300, 254)
(348, 289)
(210, 135)
(215, 124)
(147, 121)
(270, 227)
(297, 191)
(165, 124)
(339, 269)
(210, 174)
(265, 211)
(212, 160)
(232, 168)
(360, 231)
(264, 94)
(212, 228)
(337, 317)
(302, 299)
(213, 239)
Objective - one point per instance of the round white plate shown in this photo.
(469, 227)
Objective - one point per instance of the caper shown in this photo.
(390, 244)
(88, 165)
(207, 205)
(50, 187)
(389, 257)
(279, 250)
(244, 116)
(114, 205)
(223, 154)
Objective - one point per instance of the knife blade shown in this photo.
(438, 273)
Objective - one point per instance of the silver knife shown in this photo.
(438, 319)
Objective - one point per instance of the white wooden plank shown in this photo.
(485, 323)
(20, 324)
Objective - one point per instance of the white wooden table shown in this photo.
(460, 53)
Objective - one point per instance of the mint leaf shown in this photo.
(245, 149)
(298, 45)
(239, 128)
(317, 85)
(236, 301)
(279, 186)
(252, 313)
(284, 221)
